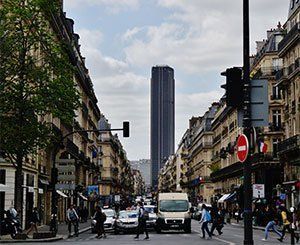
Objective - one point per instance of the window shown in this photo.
(276, 118)
(30, 180)
(2, 176)
(275, 146)
(276, 95)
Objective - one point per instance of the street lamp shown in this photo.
(54, 171)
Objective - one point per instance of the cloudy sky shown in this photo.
(123, 39)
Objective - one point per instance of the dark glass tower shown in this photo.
(162, 118)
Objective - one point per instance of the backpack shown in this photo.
(208, 216)
(103, 217)
(146, 215)
(72, 215)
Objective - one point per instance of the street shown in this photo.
(232, 235)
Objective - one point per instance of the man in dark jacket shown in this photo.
(142, 218)
(100, 218)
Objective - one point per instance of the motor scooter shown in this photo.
(10, 225)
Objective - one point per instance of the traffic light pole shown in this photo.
(54, 170)
(248, 229)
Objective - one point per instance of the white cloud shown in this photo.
(198, 37)
(201, 36)
(112, 6)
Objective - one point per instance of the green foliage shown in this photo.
(214, 167)
(36, 76)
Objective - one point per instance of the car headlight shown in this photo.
(94, 222)
(119, 222)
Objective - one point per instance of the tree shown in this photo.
(36, 80)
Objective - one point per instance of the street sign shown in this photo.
(242, 148)
(258, 190)
(259, 104)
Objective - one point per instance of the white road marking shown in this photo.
(218, 239)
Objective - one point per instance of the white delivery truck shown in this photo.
(173, 212)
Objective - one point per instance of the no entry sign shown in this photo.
(242, 148)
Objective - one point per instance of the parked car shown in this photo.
(109, 224)
(127, 221)
(150, 209)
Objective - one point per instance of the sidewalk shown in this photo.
(61, 234)
(255, 227)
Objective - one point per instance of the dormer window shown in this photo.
(293, 3)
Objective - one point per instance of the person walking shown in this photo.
(205, 219)
(72, 219)
(272, 223)
(34, 220)
(217, 223)
(100, 218)
(286, 224)
(142, 219)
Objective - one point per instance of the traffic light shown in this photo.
(234, 87)
(126, 129)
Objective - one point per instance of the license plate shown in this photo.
(174, 226)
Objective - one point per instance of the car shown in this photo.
(126, 221)
(109, 224)
(150, 209)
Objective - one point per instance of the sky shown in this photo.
(123, 39)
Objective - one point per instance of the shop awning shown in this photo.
(44, 182)
(4, 187)
(224, 197)
(231, 197)
(61, 194)
(82, 196)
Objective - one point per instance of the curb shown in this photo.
(53, 239)
(79, 232)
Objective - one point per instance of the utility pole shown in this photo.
(248, 229)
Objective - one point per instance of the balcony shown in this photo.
(289, 145)
(265, 72)
(275, 127)
(291, 37)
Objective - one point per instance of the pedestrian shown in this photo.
(286, 221)
(205, 219)
(34, 220)
(72, 219)
(272, 222)
(142, 220)
(294, 222)
(100, 218)
(217, 223)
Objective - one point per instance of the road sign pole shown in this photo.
(248, 229)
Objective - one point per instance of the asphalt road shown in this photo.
(233, 235)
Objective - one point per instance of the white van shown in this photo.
(173, 212)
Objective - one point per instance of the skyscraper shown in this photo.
(162, 118)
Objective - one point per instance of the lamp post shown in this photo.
(54, 171)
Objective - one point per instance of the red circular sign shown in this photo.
(242, 148)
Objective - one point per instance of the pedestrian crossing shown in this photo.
(92, 237)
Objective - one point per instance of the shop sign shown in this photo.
(258, 190)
